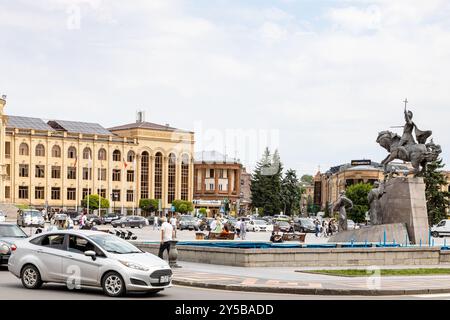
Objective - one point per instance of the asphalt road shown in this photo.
(11, 288)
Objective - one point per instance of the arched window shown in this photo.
(171, 174)
(72, 153)
(158, 175)
(23, 149)
(40, 151)
(102, 154)
(130, 156)
(116, 155)
(185, 177)
(56, 152)
(144, 175)
(87, 153)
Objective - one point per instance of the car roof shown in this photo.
(74, 232)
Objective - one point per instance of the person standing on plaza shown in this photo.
(219, 226)
(156, 222)
(167, 235)
(243, 228)
(173, 222)
(83, 219)
(317, 229)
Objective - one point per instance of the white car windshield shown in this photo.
(34, 214)
(11, 231)
(114, 244)
(260, 222)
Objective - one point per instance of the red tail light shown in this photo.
(13, 247)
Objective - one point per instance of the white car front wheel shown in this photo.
(113, 284)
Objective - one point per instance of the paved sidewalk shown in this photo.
(291, 281)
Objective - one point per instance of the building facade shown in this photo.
(328, 185)
(217, 179)
(58, 163)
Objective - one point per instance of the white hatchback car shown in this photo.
(88, 258)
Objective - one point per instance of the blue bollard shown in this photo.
(420, 243)
(445, 242)
(406, 239)
(429, 238)
(384, 237)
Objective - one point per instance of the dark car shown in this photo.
(110, 217)
(304, 225)
(187, 222)
(96, 220)
(284, 226)
(9, 233)
(130, 221)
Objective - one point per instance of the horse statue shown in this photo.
(419, 154)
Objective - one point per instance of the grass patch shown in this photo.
(383, 272)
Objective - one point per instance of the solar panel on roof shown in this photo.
(27, 123)
(81, 127)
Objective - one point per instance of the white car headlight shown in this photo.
(4, 248)
(133, 265)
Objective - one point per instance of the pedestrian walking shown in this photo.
(167, 234)
(317, 229)
(156, 222)
(173, 222)
(243, 228)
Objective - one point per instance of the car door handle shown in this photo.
(69, 256)
(40, 251)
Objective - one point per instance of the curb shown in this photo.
(309, 291)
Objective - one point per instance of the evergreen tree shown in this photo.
(358, 194)
(290, 192)
(266, 183)
(437, 200)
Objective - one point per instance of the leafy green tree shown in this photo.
(437, 200)
(291, 192)
(203, 211)
(94, 200)
(148, 205)
(358, 194)
(307, 178)
(183, 206)
(266, 183)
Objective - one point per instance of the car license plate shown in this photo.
(164, 279)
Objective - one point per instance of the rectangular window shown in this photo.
(23, 170)
(56, 172)
(116, 195)
(86, 192)
(101, 193)
(56, 193)
(23, 192)
(211, 186)
(39, 193)
(40, 171)
(130, 175)
(116, 175)
(101, 174)
(71, 173)
(8, 170)
(130, 195)
(87, 173)
(211, 173)
(7, 192)
(71, 194)
(7, 150)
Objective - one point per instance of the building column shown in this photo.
(165, 172)
(229, 186)
(151, 174)
(178, 179)
(203, 177)
(216, 181)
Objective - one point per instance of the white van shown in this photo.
(441, 229)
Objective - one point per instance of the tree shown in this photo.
(149, 205)
(291, 192)
(183, 206)
(307, 178)
(358, 194)
(94, 200)
(266, 183)
(437, 200)
(203, 211)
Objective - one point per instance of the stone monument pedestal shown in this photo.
(404, 202)
(389, 233)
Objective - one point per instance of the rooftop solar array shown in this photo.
(79, 127)
(27, 123)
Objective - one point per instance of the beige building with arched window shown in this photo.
(57, 163)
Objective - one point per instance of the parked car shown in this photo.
(2, 216)
(442, 229)
(130, 221)
(258, 225)
(9, 234)
(110, 217)
(304, 225)
(105, 260)
(74, 215)
(94, 219)
(284, 226)
(30, 218)
(187, 222)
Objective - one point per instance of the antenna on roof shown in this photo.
(140, 116)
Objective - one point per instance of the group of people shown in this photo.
(325, 228)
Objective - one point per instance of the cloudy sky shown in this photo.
(317, 79)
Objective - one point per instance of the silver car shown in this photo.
(30, 218)
(88, 258)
